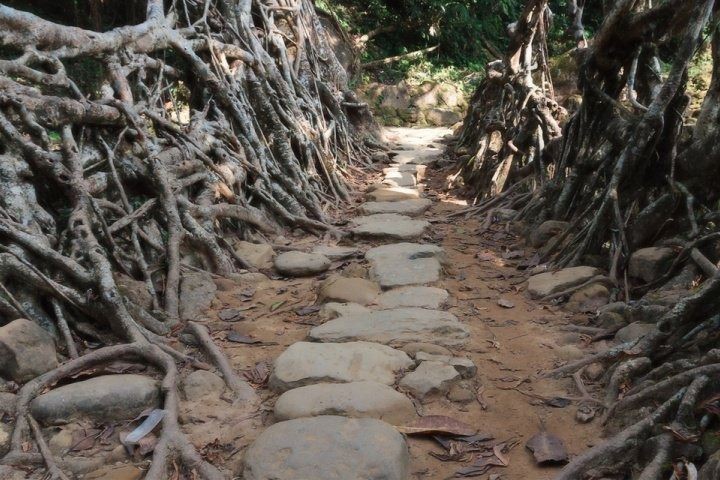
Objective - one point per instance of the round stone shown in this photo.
(301, 264)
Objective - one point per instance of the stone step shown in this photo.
(306, 363)
(400, 179)
(412, 296)
(402, 264)
(328, 448)
(417, 157)
(355, 399)
(336, 253)
(388, 225)
(417, 170)
(394, 327)
(411, 208)
(392, 194)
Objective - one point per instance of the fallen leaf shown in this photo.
(85, 439)
(547, 448)
(277, 305)
(438, 424)
(505, 303)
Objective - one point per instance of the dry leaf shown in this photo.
(547, 448)
(438, 424)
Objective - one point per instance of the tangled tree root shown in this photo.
(211, 118)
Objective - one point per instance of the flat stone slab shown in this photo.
(102, 399)
(306, 363)
(392, 194)
(422, 156)
(464, 366)
(429, 378)
(400, 179)
(553, 282)
(421, 297)
(395, 327)
(301, 264)
(389, 225)
(335, 253)
(355, 399)
(417, 170)
(328, 448)
(402, 264)
(348, 290)
(412, 208)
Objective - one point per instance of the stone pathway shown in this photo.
(382, 348)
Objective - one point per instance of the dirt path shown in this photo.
(509, 346)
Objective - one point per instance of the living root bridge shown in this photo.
(201, 120)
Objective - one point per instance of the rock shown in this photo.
(505, 214)
(103, 399)
(611, 320)
(388, 225)
(411, 208)
(197, 291)
(394, 327)
(258, 255)
(417, 170)
(414, 348)
(62, 441)
(115, 472)
(589, 298)
(301, 264)
(5, 437)
(464, 366)
(634, 331)
(335, 253)
(201, 383)
(328, 448)
(546, 231)
(392, 194)
(333, 310)
(569, 352)
(399, 179)
(354, 269)
(249, 277)
(348, 290)
(26, 351)
(402, 264)
(553, 282)
(462, 393)
(441, 116)
(422, 297)
(650, 263)
(595, 371)
(9, 473)
(305, 363)
(355, 399)
(423, 156)
(7, 404)
(429, 378)
(135, 290)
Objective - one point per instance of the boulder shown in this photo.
(549, 283)
(201, 383)
(441, 116)
(301, 264)
(411, 208)
(428, 379)
(135, 290)
(197, 291)
(650, 263)
(546, 231)
(101, 399)
(589, 298)
(258, 255)
(26, 351)
(413, 296)
(348, 290)
(389, 226)
(355, 399)
(395, 327)
(464, 366)
(402, 264)
(335, 253)
(392, 194)
(305, 363)
(634, 331)
(328, 448)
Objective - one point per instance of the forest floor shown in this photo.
(487, 318)
(509, 346)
